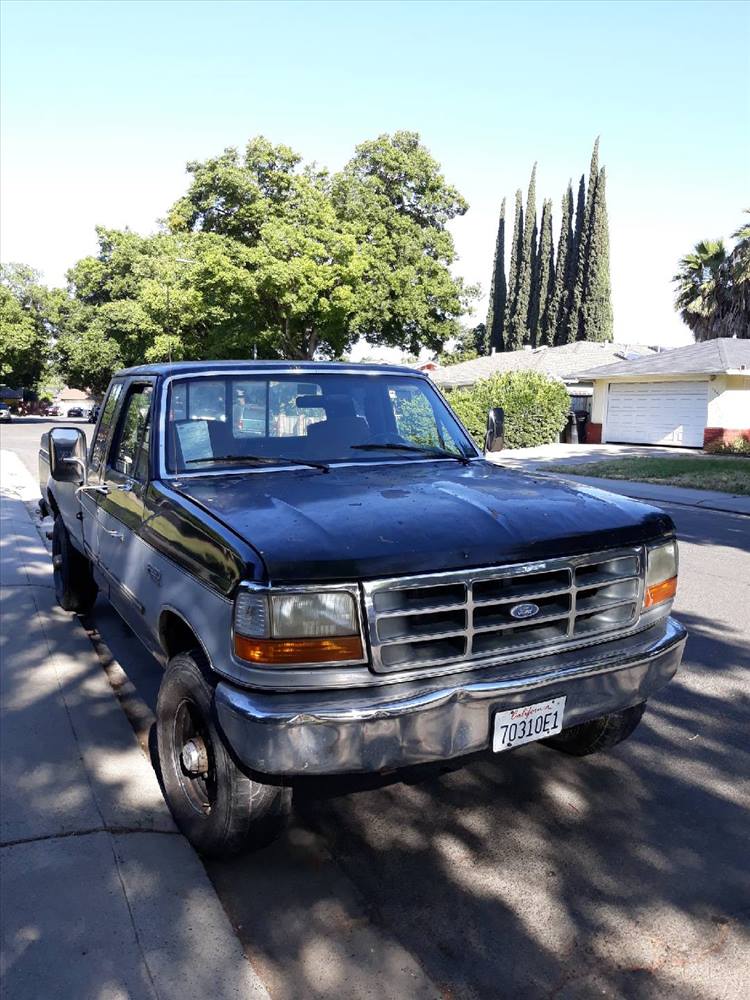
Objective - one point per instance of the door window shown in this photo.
(129, 455)
(105, 425)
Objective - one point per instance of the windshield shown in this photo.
(230, 420)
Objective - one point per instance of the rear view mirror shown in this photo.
(494, 439)
(67, 455)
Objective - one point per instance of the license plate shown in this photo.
(527, 723)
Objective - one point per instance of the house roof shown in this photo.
(564, 362)
(712, 357)
(71, 395)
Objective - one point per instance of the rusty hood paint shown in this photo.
(398, 518)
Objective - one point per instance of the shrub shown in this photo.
(739, 446)
(536, 407)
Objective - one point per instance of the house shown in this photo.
(67, 398)
(562, 362)
(689, 396)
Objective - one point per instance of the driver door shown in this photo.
(120, 510)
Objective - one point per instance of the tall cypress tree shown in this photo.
(575, 319)
(516, 249)
(534, 304)
(596, 315)
(498, 291)
(556, 317)
(545, 285)
(576, 271)
(518, 327)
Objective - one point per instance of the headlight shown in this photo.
(296, 627)
(661, 574)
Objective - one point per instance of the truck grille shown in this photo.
(424, 621)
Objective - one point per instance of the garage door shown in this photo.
(657, 413)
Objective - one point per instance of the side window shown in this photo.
(129, 454)
(415, 418)
(105, 424)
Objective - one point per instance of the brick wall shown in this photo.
(593, 433)
(724, 435)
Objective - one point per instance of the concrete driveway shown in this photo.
(575, 454)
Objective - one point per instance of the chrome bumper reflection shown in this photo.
(377, 729)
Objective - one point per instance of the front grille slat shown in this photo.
(465, 616)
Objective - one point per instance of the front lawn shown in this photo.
(729, 475)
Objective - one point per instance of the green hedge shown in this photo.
(536, 407)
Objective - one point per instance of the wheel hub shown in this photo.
(195, 756)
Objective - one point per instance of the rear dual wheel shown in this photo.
(215, 803)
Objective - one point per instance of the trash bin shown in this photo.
(582, 419)
(571, 431)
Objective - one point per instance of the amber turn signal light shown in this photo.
(660, 592)
(286, 651)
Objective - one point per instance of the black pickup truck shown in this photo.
(337, 581)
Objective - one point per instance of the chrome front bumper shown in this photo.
(392, 726)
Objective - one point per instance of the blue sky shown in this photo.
(103, 104)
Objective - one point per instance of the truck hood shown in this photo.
(360, 522)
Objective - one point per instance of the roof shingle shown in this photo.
(563, 362)
(712, 357)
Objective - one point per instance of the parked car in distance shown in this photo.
(75, 411)
(52, 411)
(93, 413)
(5, 414)
(342, 583)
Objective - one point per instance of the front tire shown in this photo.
(599, 734)
(219, 808)
(75, 588)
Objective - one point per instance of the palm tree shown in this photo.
(713, 288)
(699, 288)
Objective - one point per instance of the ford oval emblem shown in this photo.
(524, 610)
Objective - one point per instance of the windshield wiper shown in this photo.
(261, 460)
(431, 452)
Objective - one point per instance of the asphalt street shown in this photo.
(528, 874)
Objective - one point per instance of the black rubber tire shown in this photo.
(599, 734)
(75, 588)
(239, 812)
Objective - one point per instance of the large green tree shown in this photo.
(498, 290)
(365, 252)
(26, 308)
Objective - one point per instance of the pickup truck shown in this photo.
(335, 580)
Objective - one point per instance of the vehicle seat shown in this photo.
(342, 427)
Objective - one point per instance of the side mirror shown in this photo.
(68, 462)
(494, 439)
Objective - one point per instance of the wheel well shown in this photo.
(176, 635)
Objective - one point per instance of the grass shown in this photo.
(728, 475)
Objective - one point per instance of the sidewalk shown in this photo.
(101, 896)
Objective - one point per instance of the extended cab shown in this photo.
(337, 581)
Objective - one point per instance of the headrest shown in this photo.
(334, 406)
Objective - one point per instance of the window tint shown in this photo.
(105, 424)
(130, 453)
